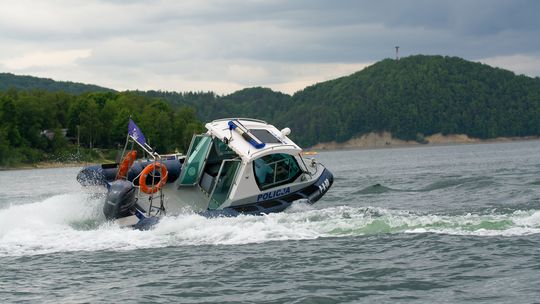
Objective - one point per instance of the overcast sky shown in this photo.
(223, 46)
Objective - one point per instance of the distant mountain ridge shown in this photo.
(20, 82)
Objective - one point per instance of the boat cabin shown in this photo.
(263, 158)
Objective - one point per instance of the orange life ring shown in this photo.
(126, 163)
(150, 168)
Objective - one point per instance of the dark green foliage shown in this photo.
(8, 81)
(414, 97)
(261, 103)
(99, 119)
(419, 95)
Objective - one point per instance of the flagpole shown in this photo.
(125, 147)
(138, 137)
(145, 147)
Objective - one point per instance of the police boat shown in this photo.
(239, 166)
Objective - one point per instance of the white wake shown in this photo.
(74, 222)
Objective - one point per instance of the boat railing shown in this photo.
(237, 118)
(271, 148)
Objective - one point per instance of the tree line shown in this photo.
(8, 81)
(414, 97)
(419, 96)
(95, 120)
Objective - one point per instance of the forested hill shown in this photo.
(8, 80)
(260, 103)
(414, 97)
(418, 96)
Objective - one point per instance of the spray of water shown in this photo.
(73, 222)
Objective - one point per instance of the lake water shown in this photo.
(423, 225)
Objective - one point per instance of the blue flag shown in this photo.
(136, 133)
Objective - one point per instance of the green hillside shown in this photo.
(95, 120)
(261, 103)
(8, 81)
(415, 96)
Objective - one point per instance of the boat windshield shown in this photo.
(195, 159)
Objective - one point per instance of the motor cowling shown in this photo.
(121, 200)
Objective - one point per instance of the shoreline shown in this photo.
(48, 165)
(383, 140)
(371, 141)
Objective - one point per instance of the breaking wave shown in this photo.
(470, 183)
(73, 222)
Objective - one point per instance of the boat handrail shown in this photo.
(240, 118)
(274, 147)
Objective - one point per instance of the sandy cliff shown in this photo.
(385, 139)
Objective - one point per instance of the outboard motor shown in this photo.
(121, 201)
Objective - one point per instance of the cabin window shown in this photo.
(275, 169)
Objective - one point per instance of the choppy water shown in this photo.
(431, 224)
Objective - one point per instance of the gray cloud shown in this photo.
(238, 43)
